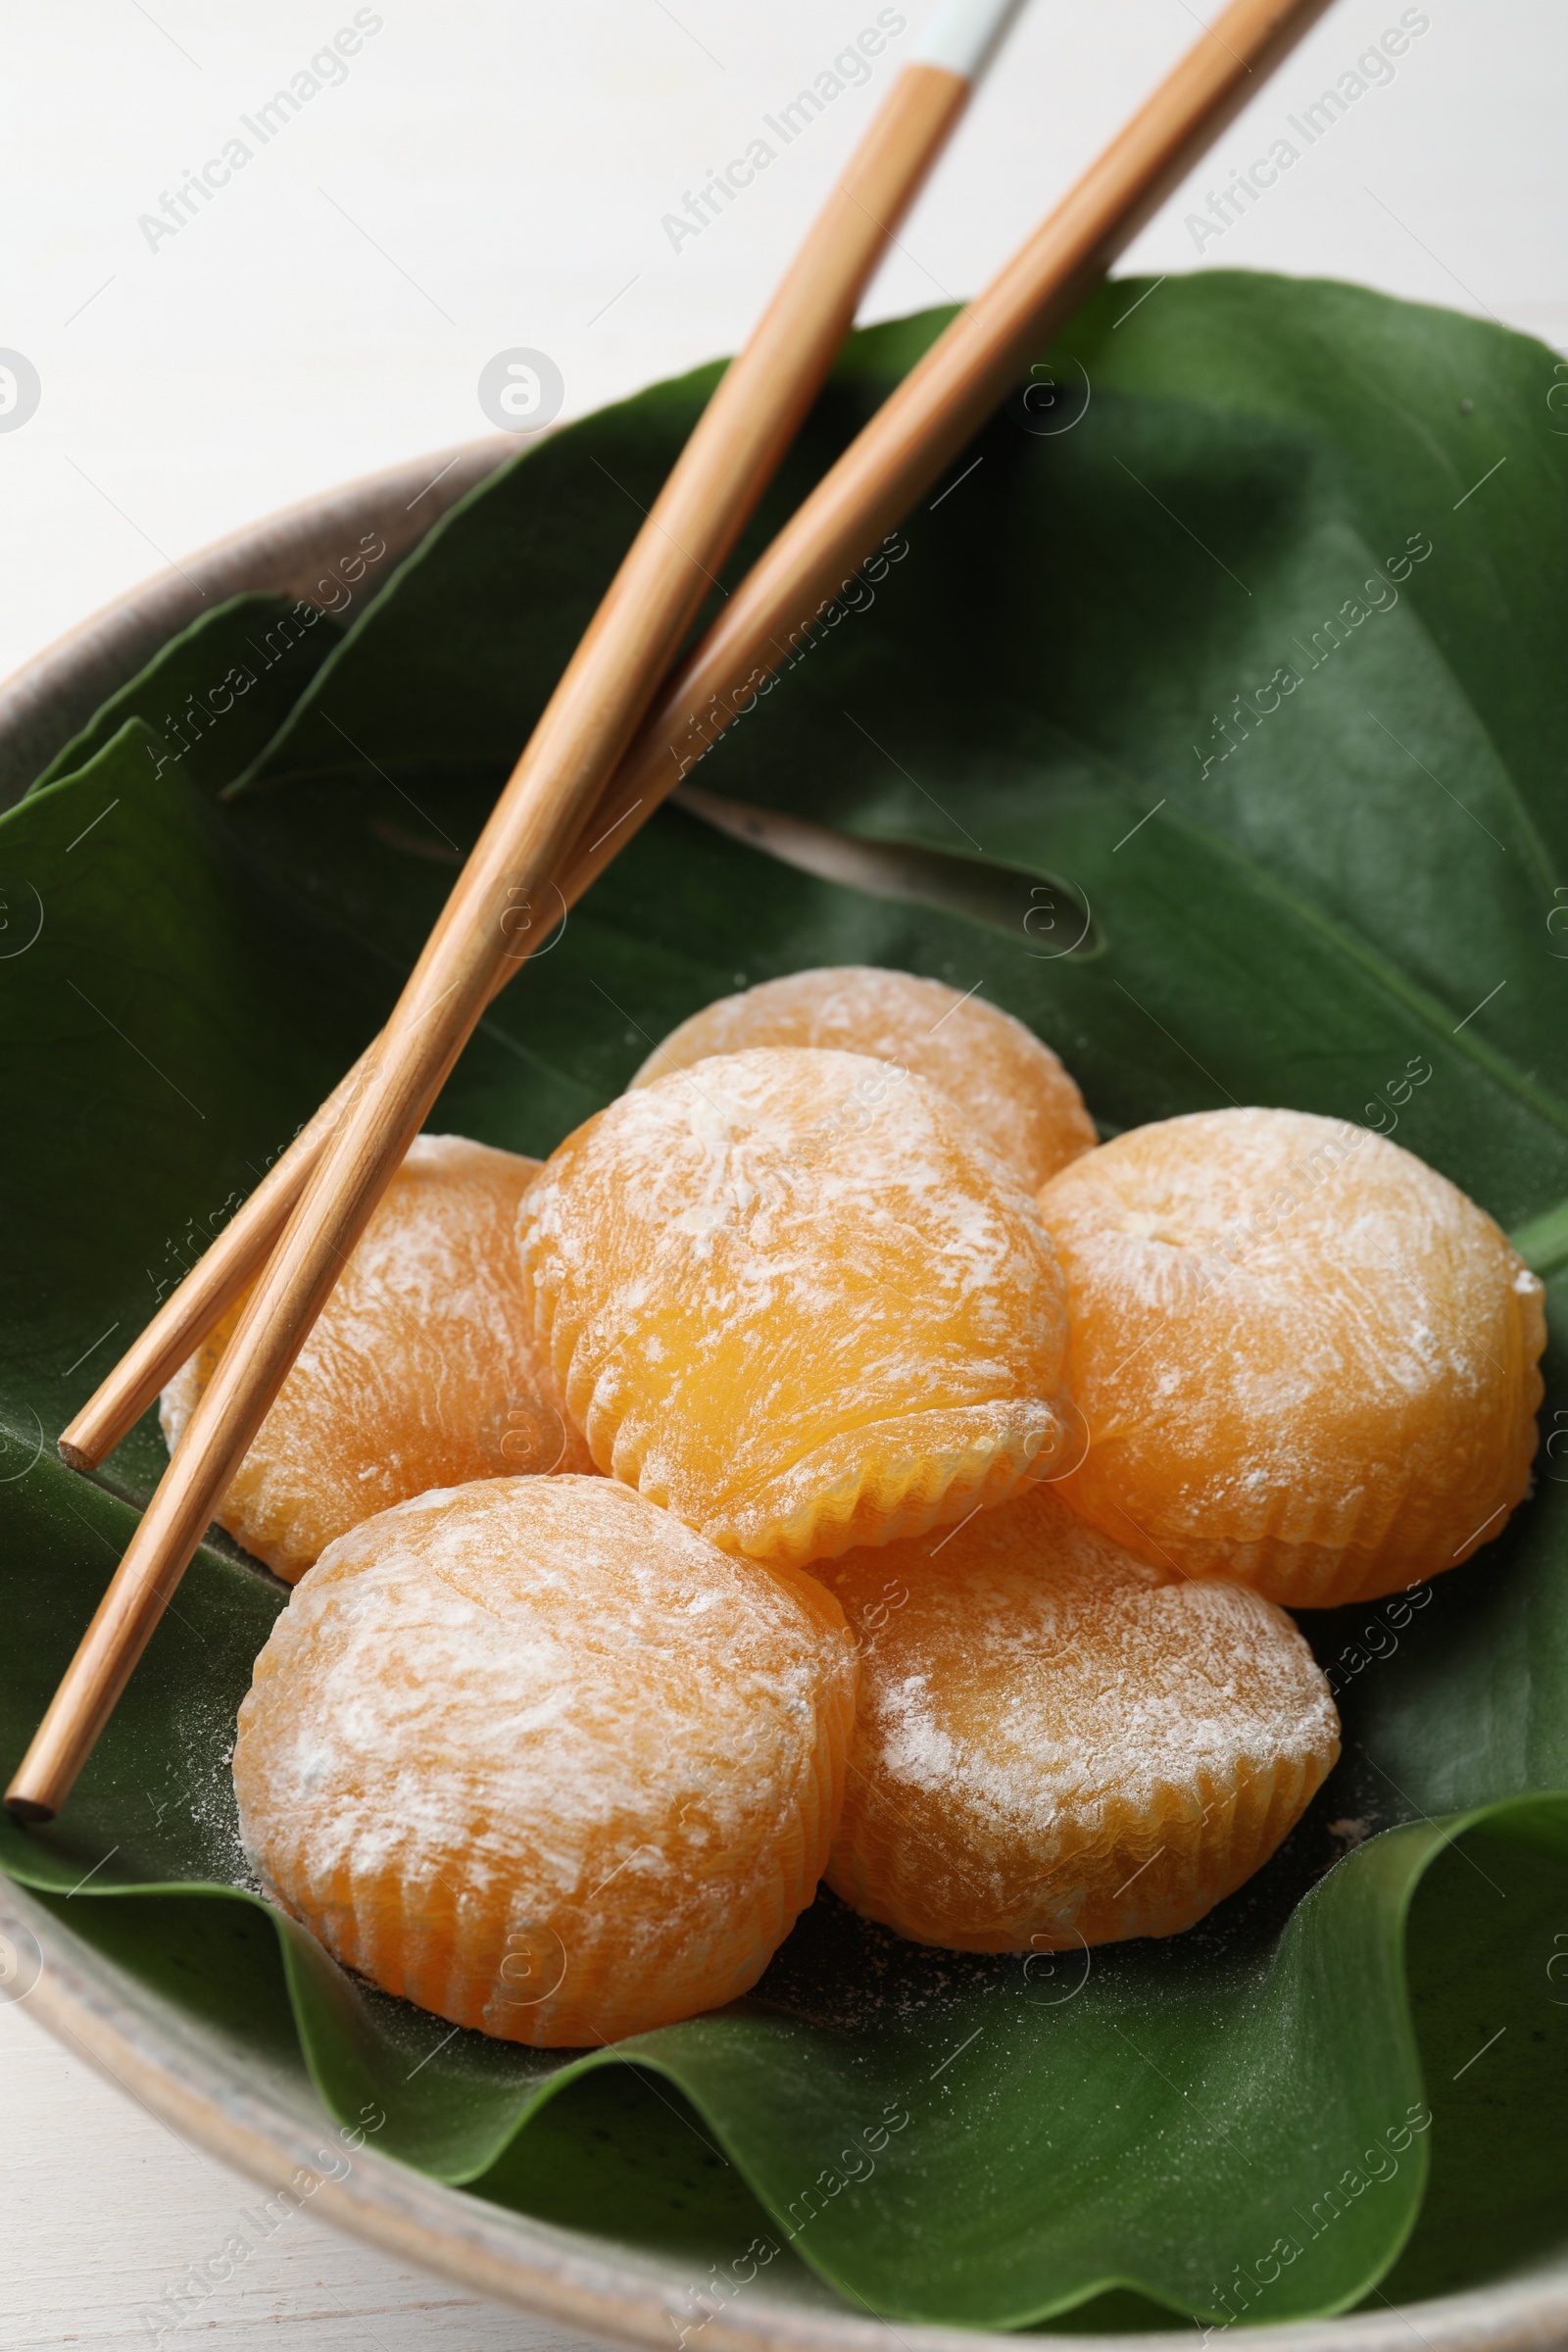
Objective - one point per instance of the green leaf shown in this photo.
(1347, 2081)
(217, 694)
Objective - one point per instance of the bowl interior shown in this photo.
(260, 2110)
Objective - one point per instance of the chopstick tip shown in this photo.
(28, 1809)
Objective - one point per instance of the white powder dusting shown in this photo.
(1041, 1712)
(495, 1705)
(423, 1369)
(789, 1283)
(1292, 1341)
(1008, 1082)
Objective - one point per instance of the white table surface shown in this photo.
(495, 174)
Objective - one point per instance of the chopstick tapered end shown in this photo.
(28, 1809)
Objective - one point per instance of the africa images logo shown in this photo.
(849, 69)
(326, 71)
(1372, 69)
(19, 390)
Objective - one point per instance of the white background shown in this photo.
(490, 175)
(494, 173)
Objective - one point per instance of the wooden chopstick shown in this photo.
(529, 835)
(324, 1192)
(741, 436)
(1094, 224)
(946, 395)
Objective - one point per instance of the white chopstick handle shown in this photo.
(963, 34)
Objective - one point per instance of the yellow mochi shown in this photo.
(1014, 1089)
(1304, 1358)
(532, 1754)
(422, 1370)
(790, 1295)
(1059, 1744)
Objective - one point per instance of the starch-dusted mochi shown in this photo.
(792, 1296)
(422, 1370)
(1305, 1359)
(538, 1757)
(1060, 1745)
(1013, 1088)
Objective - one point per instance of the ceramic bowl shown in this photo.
(214, 2090)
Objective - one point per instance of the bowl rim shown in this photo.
(54, 694)
(99, 2011)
